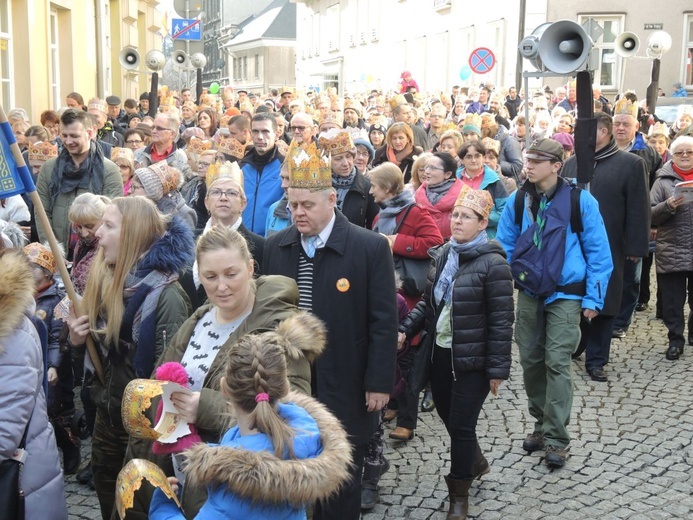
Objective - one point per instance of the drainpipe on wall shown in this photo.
(100, 58)
(520, 36)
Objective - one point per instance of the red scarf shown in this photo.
(396, 157)
(685, 175)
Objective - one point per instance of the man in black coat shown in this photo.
(345, 276)
(619, 184)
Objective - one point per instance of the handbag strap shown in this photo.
(406, 212)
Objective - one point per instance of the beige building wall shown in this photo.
(49, 48)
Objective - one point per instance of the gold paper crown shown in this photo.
(449, 125)
(472, 120)
(335, 142)
(659, 129)
(197, 145)
(231, 146)
(353, 105)
(477, 200)
(282, 147)
(137, 398)
(98, 104)
(169, 177)
(331, 117)
(41, 255)
(491, 144)
(123, 153)
(42, 151)
(222, 171)
(308, 168)
(396, 100)
(246, 106)
(625, 106)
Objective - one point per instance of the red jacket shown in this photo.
(443, 209)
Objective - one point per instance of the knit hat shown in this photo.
(472, 123)
(41, 255)
(477, 200)
(566, 140)
(98, 104)
(545, 150)
(366, 144)
(379, 128)
(158, 180)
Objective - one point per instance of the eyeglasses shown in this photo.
(229, 194)
(683, 153)
(461, 217)
(298, 128)
(201, 164)
(134, 141)
(360, 153)
(429, 168)
(161, 129)
(474, 157)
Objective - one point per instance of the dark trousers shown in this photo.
(346, 505)
(645, 295)
(673, 285)
(632, 272)
(598, 334)
(107, 455)
(407, 402)
(459, 404)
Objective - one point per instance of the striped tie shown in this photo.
(541, 222)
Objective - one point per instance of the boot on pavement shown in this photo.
(427, 404)
(459, 498)
(369, 484)
(481, 466)
(69, 445)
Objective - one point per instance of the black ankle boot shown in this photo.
(427, 404)
(369, 485)
(459, 498)
(481, 466)
(69, 445)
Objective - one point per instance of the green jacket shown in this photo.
(57, 213)
(276, 299)
(171, 312)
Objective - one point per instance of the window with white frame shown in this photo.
(688, 52)
(332, 27)
(6, 72)
(608, 73)
(55, 60)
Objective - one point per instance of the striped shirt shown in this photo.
(305, 281)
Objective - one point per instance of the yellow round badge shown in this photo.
(343, 285)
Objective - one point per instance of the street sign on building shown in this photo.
(482, 60)
(186, 29)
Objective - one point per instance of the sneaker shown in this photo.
(619, 333)
(556, 455)
(533, 442)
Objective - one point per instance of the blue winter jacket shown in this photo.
(494, 185)
(278, 217)
(263, 187)
(223, 503)
(587, 256)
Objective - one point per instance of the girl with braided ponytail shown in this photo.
(285, 452)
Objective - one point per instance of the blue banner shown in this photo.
(14, 180)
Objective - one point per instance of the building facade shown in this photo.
(49, 48)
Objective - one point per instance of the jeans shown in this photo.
(547, 336)
(631, 291)
(458, 402)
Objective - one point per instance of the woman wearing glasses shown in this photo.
(672, 215)
(440, 190)
(467, 312)
(475, 174)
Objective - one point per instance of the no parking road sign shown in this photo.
(482, 60)
(186, 29)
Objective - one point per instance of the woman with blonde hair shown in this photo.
(399, 149)
(85, 215)
(125, 160)
(133, 307)
(418, 176)
(285, 451)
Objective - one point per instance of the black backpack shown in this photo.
(539, 270)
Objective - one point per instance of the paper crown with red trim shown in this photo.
(197, 145)
(42, 151)
(309, 167)
(477, 200)
(231, 146)
(335, 141)
(41, 255)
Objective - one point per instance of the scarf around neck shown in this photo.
(390, 209)
(397, 157)
(610, 149)
(443, 289)
(66, 176)
(437, 192)
(342, 185)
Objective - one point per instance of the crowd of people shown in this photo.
(312, 263)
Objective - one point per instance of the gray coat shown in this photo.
(674, 247)
(22, 399)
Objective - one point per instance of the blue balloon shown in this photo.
(465, 72)
(363, 77)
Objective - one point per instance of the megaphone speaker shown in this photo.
(155, 60)
(659, 42)
(180, 58)
(529, 46)
(129, 58)
(198, 60)
(627, 44)
(564, 47)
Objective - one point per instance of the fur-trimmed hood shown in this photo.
(16, 291)
(172, 253)
(263, 478)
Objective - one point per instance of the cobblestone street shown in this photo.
(631, 453)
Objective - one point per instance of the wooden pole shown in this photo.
(57, 253)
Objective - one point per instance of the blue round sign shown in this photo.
(482, 60)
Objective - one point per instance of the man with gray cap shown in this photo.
(116, 115)
(560, 228)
